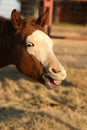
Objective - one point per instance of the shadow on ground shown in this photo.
(11, 113)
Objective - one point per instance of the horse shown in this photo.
(25, 44)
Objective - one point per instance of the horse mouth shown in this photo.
(51, 83)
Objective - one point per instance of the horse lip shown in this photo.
(46, 76)
(51, 82)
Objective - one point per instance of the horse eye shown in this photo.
(30, 44)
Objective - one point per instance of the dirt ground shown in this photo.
(26, 105)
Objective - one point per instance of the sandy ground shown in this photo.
(26, 105)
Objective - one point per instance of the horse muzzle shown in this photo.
(53, 78)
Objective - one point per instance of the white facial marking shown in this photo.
(42, 45)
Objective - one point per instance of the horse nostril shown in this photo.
(53, 70)
(58, 73)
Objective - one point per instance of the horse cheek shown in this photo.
(30, 66)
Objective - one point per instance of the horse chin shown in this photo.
(51, 83)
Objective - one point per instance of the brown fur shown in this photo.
(13, 34)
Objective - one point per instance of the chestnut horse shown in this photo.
(24, 43)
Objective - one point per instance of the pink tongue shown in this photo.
(57, 82)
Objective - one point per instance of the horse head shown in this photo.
(39, 49)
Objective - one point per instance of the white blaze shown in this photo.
(42, 46)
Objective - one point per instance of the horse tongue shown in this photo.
(57, 82)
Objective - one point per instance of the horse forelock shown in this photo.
(30, 27)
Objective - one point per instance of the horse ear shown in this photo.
(16, 19)
(42, 20)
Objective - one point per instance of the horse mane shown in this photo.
(5, 25)
(8, 33)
